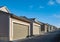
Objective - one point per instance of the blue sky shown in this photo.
(47, 11)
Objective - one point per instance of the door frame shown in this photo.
(19, 23)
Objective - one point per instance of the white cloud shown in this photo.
(41, 7)
(58, 1)
(51, 2)
(56, 16)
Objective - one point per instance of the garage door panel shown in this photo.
(36, 30)
(19, 31)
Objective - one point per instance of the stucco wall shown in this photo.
(11, 26)
(4, 25)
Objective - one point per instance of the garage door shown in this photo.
(20, 31)
(36, 30)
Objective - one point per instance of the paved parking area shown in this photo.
(50, 37)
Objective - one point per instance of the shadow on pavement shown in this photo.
(57, 38)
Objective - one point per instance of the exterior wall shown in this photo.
(31, 28)
(49, 28)
(11, 27)
(42, 29)
(4, 9)
(36, 29)
(4, 26)
(46, 28)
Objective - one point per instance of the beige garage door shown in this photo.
(36, 30)
(20, 31)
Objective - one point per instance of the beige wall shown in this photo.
(46, 28)
(11, 26)
(49, 28)
(4, 25)
(36, 29)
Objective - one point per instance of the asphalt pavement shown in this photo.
(49, 37)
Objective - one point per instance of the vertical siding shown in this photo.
(4, 25)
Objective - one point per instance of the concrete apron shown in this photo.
(20, 40)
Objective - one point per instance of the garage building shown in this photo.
(13, 27)
(35, 27)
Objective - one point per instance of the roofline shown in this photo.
(33, 19)
(16, 17)
(1, 6)
(7, 9)
(20, 18)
